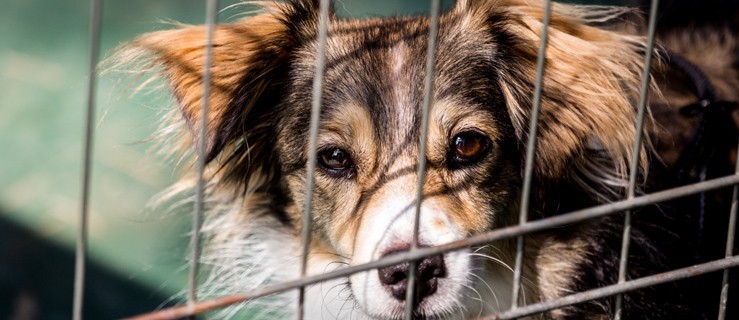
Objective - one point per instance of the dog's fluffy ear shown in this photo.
(236, 52)
(248, 60)
(590, 83)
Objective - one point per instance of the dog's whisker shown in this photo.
(346, 301)
(493, 259)
(478, 298)
(492, 292)
(500, 262)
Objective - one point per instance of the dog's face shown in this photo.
(368, 150)
(368, 143)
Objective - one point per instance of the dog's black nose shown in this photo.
(428, 272)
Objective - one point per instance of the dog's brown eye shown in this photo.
(467, 147)
(336, 161)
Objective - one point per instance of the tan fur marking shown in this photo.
(181, 55)
(350, 128)
(555, 263)
(591, 82)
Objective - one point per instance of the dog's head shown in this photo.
(368, 142)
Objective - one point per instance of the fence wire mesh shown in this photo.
(633, 171)
(531, 151)
(524, 227)
(81, 250)
(197, 217)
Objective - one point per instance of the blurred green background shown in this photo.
(136, 253)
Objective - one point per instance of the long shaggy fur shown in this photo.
(256, 137)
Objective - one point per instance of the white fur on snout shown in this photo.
(389, 227)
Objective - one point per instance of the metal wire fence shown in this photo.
(524, 227)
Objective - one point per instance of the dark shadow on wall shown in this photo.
(36, 282)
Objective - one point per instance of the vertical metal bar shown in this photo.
(730, 236)
(636, 153)
(81, 250)
(531, 150)
(314, 124)
(428, 94)
(197, 217)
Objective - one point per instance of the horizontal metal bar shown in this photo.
(494, 235)
(620, 288)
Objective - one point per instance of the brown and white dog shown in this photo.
(365, 179)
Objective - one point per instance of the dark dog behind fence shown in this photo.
(697, 185)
